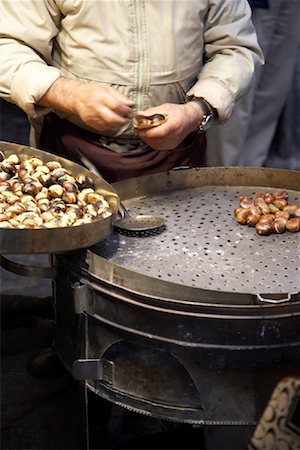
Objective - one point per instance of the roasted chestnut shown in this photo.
(293, 225)
(264, 228)
(56, 190)
(280, 203)
(52, 165)
(261, 204)
(291, 209)
(241, 215)
(8, 166)
(4, 176)
(269, 198)
(142, 121)
(245, 202)
(69, 197)
(32, 188)
(84, 181)
(279, 224)
(70, 187)
(254, 216)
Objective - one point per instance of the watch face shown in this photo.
(207, 121)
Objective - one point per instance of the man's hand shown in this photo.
(181, 120)
(99, 106)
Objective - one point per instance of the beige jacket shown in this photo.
(153, 51)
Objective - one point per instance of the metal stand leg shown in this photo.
(96, 417)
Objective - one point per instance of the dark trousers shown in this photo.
(62, 137)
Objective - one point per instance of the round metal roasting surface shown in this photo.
(204, 247)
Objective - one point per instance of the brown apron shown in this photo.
(62, 137)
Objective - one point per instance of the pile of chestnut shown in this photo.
(35, 194)
(269, 213)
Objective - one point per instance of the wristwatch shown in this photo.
(209, 113)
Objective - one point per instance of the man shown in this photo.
(246, 139)
(81, 69)
(93, 64)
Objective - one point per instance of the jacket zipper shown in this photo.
(141, 60)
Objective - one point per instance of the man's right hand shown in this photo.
(99, 106)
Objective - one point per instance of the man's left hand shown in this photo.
(181, 121)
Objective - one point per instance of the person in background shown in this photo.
(248, 136)
(80, 71)
(285, 148)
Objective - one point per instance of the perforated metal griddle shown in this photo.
(204, 247)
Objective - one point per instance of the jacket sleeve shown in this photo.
(231, 52)
(26, 36)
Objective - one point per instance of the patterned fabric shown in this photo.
(279, 427)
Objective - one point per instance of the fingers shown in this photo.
(102, 107)
(163, 137)
(122, 98)
(108, 98)
(103, 118)
(118, 103)
(171, 133)
(119, 108)
(112, 118)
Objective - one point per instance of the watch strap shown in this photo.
(206, 107)
(203, 105)
(209, 113)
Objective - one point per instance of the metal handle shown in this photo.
(274, 298)
(87, 163)
(27, 271)
(93, 369)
